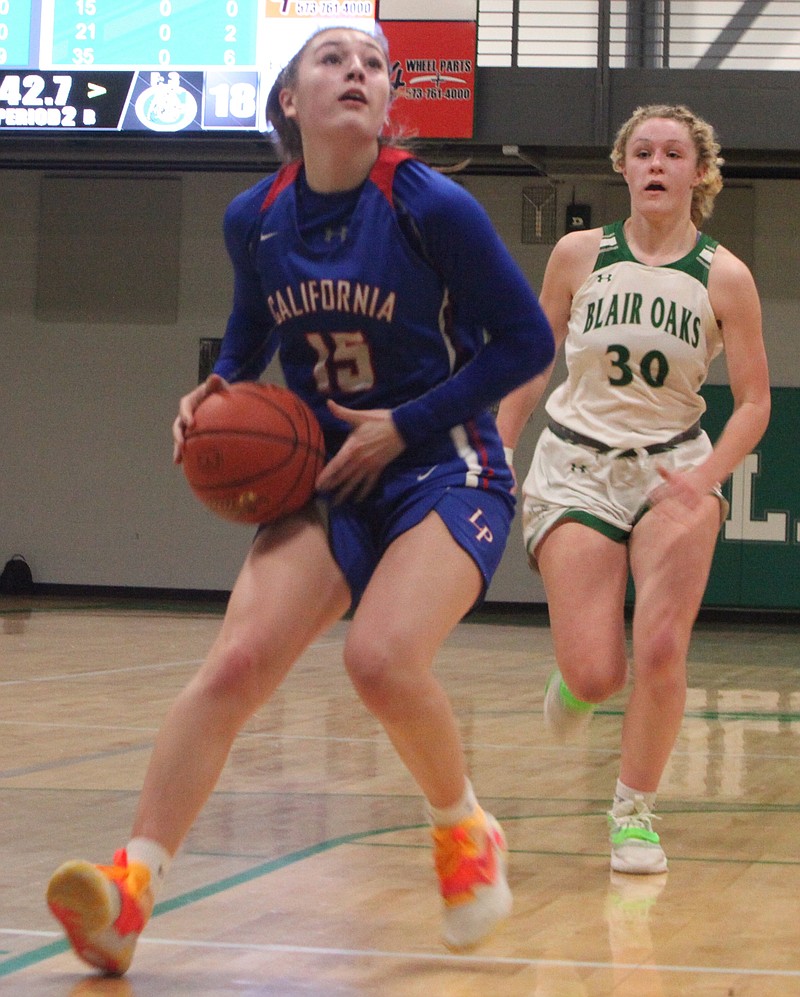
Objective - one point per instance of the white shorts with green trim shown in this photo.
(605, 491)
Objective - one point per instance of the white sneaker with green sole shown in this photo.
(635, 846)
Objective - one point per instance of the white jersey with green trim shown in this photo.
(639, 345)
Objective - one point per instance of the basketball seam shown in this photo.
(300, 434)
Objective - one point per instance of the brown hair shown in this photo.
(287, 133)
(705, 142)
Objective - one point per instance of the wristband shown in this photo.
(509, 452)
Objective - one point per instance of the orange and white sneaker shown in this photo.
(471, 860)
(102, 908)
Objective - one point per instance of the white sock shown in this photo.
(623, 792)
(450, 816)
(153, 855)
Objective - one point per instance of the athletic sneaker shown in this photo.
(102, 908)
(635, 846)
(471, 861)
(565, 715)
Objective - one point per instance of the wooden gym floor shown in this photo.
(309, 872)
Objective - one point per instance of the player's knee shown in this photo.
(233, 677)
(597, 682)
(661, 657)
(371, 661)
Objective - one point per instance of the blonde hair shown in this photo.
(287, 133)
(705, 143)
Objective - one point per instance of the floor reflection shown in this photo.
(629, 905)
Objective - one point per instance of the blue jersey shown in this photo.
(396, 295)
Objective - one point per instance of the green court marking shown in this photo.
(619, 711)
(32, 958)
(563, 853)
(758, 715)
(272, 866)
(44, 952)
(742, 715)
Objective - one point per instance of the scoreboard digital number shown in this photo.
(57, 100)
(152, 65)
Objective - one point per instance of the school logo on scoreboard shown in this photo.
(166, 105)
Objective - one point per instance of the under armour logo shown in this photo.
(583, 468)
(603, 276)
(330, 233)
(483, 532)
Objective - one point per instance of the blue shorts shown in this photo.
(479, 520)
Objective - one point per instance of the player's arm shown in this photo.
(570, 263)
(490, 291)
(247, 346)
(736, 304)
(244, 352)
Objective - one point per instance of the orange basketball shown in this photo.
(253, 453)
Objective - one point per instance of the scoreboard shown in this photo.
(152, 65)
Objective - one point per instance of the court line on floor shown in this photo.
(97, 672)
(377, 739)
(132, 669)
(17, 963)
(201, 893)
(316, 951)
(66, 763)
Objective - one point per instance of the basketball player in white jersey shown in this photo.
(623, 478)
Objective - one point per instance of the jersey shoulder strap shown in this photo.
(385, 167)
(381, 174)
(613, 247)
(697, 264)
(285, 176)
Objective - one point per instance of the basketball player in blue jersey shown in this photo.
(623, 478)
(400, 317)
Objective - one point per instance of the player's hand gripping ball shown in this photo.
(253, 453)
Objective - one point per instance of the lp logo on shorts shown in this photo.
(483, 532)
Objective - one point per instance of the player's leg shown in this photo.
(422, 587)
(584, 574)
(671, 549)
(575, 525)
(424, 584)
(288, 591)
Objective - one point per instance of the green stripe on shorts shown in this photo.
(595, 523)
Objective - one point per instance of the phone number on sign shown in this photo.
(329, 8)
(434, 93)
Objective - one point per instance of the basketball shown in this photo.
(253, 453)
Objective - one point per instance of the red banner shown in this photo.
(433, 73)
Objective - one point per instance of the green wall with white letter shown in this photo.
(757, 560)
